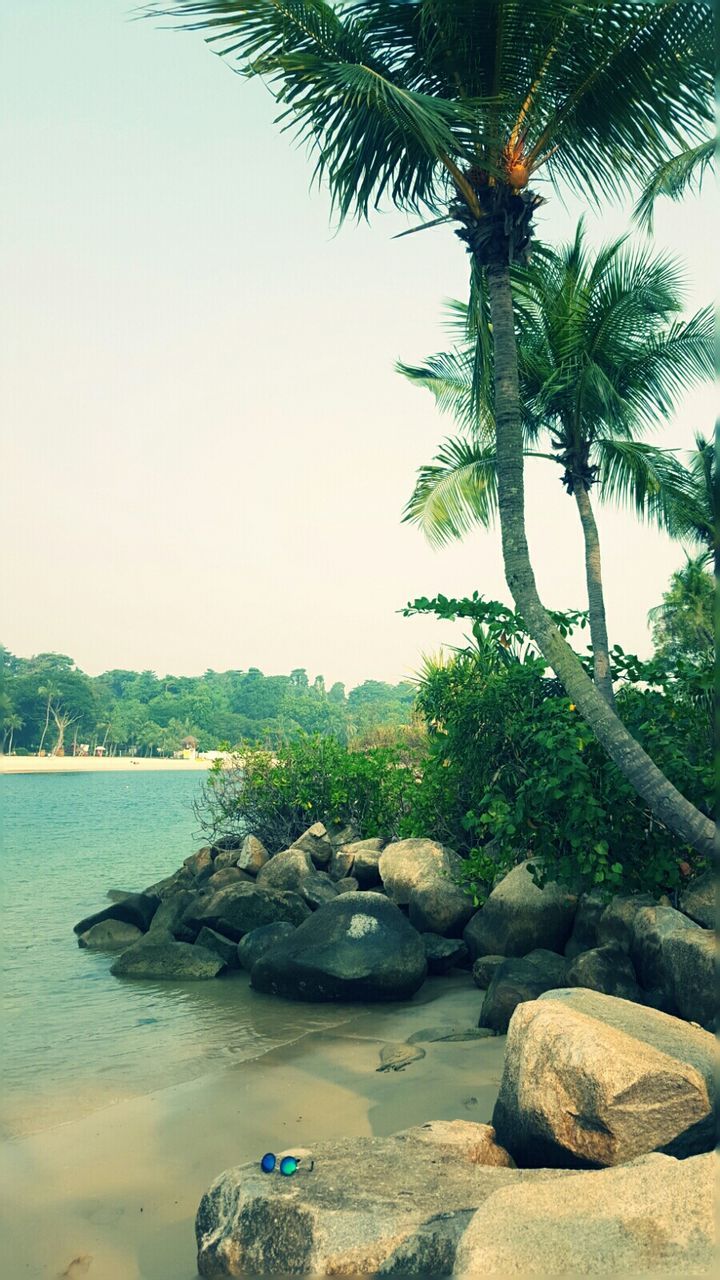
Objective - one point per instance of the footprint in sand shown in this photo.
(78, 1267)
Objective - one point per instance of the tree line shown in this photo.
(48, 704)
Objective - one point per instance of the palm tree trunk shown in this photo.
(595, 594)
(46, 725)
(663, 799)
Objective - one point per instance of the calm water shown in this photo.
(73, 1037)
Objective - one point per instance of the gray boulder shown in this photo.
(366, 859)
(377, 1206)
(438, 905)
(137, 909)
(162, 958)
(358, 947)
(227, 875)
(699, 900)
(316, 843)
(676, 963)
(443, 953)
(110, 935)
(348, 884)
(617, 922)
(518, 917)
(220, 946)
(585, 925)
(239, 909)
(317, 889)
(171, 913)
(608, 969)
(180, 880)
(260, 940)
(341, 863)
(286, 870)
(251, 856)
(591, 1080)
(517, 980)
(200, 863)
(405, 864)
(484, 970)
(654, 1216)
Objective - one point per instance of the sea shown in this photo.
(73, 1038)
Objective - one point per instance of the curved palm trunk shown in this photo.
(664, 800)
(596, 598)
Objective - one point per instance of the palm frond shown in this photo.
(674, 178)
(456, 492)
(649, 480)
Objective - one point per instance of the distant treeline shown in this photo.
(48, 704)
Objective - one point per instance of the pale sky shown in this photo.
(206, 449)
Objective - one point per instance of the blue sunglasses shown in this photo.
(287, 1165)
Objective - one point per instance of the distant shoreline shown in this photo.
(94, 764)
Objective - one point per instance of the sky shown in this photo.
(205, 447)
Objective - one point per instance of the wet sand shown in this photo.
(113, 1196)
(91, 764)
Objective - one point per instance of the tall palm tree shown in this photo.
(454, 107)
(601, 355)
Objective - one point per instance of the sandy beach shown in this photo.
(113, 1196)
(91, 764)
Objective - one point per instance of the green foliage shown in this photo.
(683, 625)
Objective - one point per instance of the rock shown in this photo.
(676, 962)
(407, 863)
(365, 860)
(240, 908)
(286, 870)
(429, 1035)
(260, 940)
(397, 1055)
(226, 876)
(162, 958)
(443, 953)
(110, 935)
(438, 904)
(617, 922)
(591, 1080)
(518, 980)
(316, 843)
(252, 856)
(341, 863)
(654, 1216)
(484, 969)
(200, 862)
(317, 889)
(137, 909)
(608, 969)
(518, 917)
(699, 900)
(225, 858)
(348, 884)
(358, 947)
(341, 835)
(176, 883)
(171, 913)
(117, 895)
(463, 1139)
(220, 946)
(369, 1206)
(584, 931)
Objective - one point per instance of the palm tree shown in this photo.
(695, 510)
(601, 354)
(674, 177)
(453, 106)
(13, 722)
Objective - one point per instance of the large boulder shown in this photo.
(162, 958)
(251, 856)
(348, 884)
(341, 863)
(676, 962)
(699, 900)
(137, 909)
(405, 864)
(238, 909)
(377, 1206)
(465, 1139)
(608, 969)
(443, 953)
(180, 880)
(583, 937)
(437, 904)
(358, 947)
(591, 1080)
(365, 860)
(517, 980)
(484, 970)
(518, 917)
(225, 876)
(171, 914)
(316, 843)
(220, 946)
(654, 1216)
(286, 870)
(200, 863)
(110, 935)
(258, 941)
(616, 925)
(317, 889)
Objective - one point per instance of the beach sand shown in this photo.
(92, 764)
(113, 1196)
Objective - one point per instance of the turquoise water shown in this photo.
(73, 1037)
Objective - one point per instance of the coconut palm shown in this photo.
(454, 107)
(601, 356)
(675, 177)
(694, 514)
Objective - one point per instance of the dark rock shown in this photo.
(317, 889)
(118, 895)
(519, 917)
(608, 969)
(286, 870)
(159, 957)
(366, 858)
(170, 914)
(484, 969)
(240, 908)
(676, 962)
(200, 862)
(258, 941)
(518, 980)
(137, 909)
(443, 953)
(176, 883)
(348, 884)
(699, 900)
(316, 843)
(110, 935)
(584, 931)
(220, 946)
(358, 947)
(341, 863)
(225, 876)
(617, 922)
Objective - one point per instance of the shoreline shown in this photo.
(117, 1191)
(12, 765)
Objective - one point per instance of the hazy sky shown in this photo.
(206, 449)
